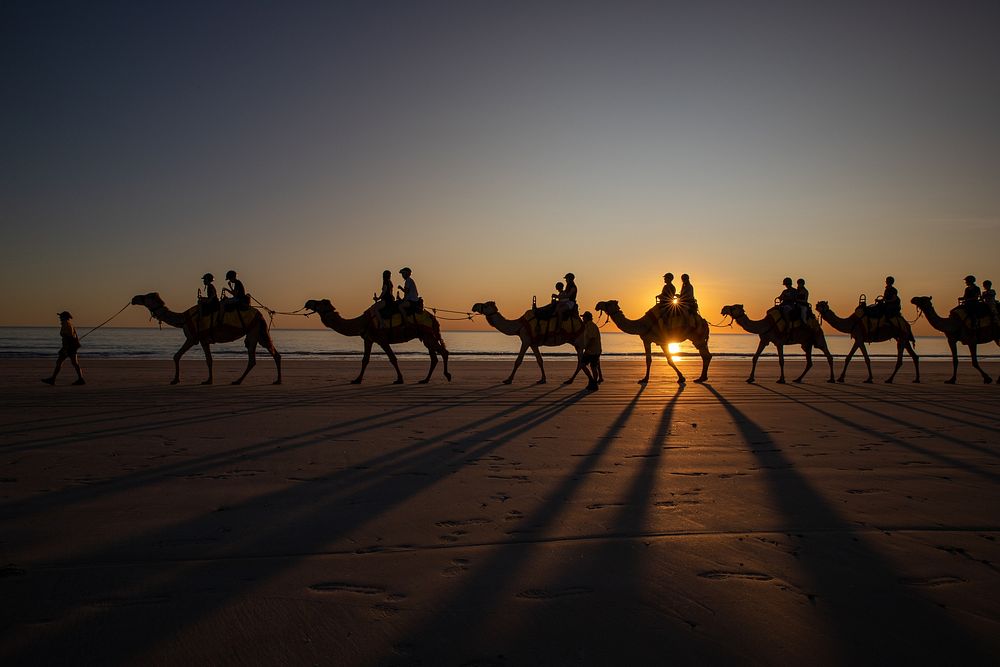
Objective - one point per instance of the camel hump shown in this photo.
(672, 317)
(569, 326)
(422, 320)
(235, 319)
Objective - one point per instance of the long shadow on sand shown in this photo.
(873, 617)
(458, 634)
(289, 524)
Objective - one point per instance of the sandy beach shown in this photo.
(475, 523)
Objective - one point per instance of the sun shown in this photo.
(674, 348)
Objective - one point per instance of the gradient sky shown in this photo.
(493, 146)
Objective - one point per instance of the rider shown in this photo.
(686, 298)
(410, 304)
(669, 292)
(890, 298)
(971, 297)
(209, 303)
(566, 299)
(385, 300)
(787, 299)
(238, 298)
(802, 298)
(989, 297)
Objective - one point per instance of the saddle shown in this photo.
(390, 317)
(673, 316)
(236, 318)
(974, 315)
(569, 323)
(792, 320)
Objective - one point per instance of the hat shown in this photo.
(970, 279)
(65, 315)
(406, 269)
(208, 276)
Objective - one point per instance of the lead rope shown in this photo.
(106, 321)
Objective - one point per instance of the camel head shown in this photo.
(488, 308)
(921, 302)
(822, 307)
(151, 300)
(609, 307)
(734, 311)
(320, 306)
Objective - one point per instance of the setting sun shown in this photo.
(674, 348)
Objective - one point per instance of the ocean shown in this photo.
(155, 343)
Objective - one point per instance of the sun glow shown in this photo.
(674, 348)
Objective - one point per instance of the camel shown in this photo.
(366, 326)
(651, 329)
(956, 331)
(858, 329)
(767, 330)
(197, 329)
(530, 338)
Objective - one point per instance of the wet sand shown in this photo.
(476, 523)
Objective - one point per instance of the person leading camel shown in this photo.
(70, 346)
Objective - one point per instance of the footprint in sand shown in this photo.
(455, 523)
(341, 587)
(458, 566)
(721, 576)
(930, 581)
(552, 593)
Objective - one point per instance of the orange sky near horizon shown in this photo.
(492, 147)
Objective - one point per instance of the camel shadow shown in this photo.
(873, 618)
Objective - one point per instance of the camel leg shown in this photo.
(809, 362)
(953, 345)
(541, 366)
(706, 359)
(649, 359)
(364, 361)
(899, 361)
(829, 359)
(579, 365)
(868, 363)
(188, 344)
(916, 359)
(781, 362)
(251, 360)
(207, 347)
(265, 342)
(444, 358)
(847, 360)
(756, 357)
(434, 360)
(974, 354)
(395, 362)
(517, 362)
(680, 376)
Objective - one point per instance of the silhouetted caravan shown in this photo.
(374, 328)
(213, 328)
(770, 333)
(960, 327)
(535, 330)
(663, 324)
(871, 324)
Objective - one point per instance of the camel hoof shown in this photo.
(398, 381)
(681, 381)
(175, 382)
(889, 381)
(276, 382)
(422, 381)
(987, 380)
(951, 381)
(840, 380)
(643, 381)
(869, 381)
(542, 381)
(236, 382)
(781, 380)
(751, 380)
(917, 381)
(701, 380)
(448, 376)
(570, 381)
(831, 381)
(797, 380)
(356, 381)
(207, 382)
(507, 381)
